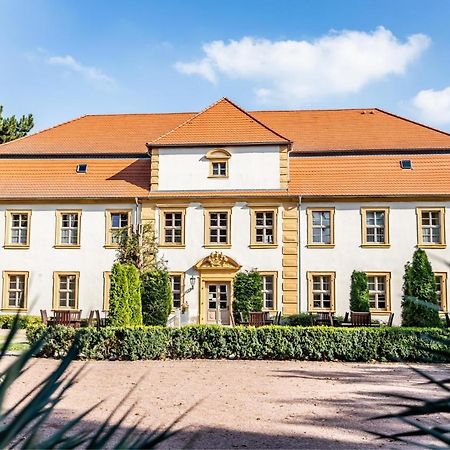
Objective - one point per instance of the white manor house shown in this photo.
(305, 197)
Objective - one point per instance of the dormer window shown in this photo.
(218, 163)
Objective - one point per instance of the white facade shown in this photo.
(42, 259)
(348, 254)
(250, 167)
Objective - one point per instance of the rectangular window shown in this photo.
(431, 227)
(263, 227)
(269, 290)
(68, 229)
(320, 227)
(375, 227)
(116, 223)
(65, 290)
(379, 291)
(219, 168)
(217, 228)
(441, 290)
(172, 227)
(15, 291)
(17, 229)
(176, 281)
(321, 291)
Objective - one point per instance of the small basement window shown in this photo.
(406, 164)
(81, 168)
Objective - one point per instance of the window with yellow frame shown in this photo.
(68, 226)
(269, 290)
(379, 285)
(263, 223)
(441, 290)
(218, 228)
(320, 227)
(116, 222)
(15, 291)
(17, 232)
(65, 290)
(375, 227)
(218, 163)
(431, 227)
(172, 227)
(321, 291)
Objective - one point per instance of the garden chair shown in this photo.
(62, 318)
(44, 317)
(447, 320)
(324, 318)
(346, 317)
(361, 319)
(277, 319)
(101, 321)
(90, 320)
(390, 320)
(257, 319)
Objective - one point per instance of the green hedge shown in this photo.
(271, 342)
(6, 321)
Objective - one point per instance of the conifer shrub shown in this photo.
(134, 294)
(119, 309)
(156, 297)
(420, 303)
(359, 292)
(248, 294)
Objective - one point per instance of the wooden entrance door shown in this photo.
(218, 303)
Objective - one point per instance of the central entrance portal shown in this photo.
(219, 311)
(216, 275)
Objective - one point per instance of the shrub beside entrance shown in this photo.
(271, 342)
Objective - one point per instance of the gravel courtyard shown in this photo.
(244, 404)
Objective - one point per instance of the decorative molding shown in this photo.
(284, 167)
(154, 170)
(217, 260)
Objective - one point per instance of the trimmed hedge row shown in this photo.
(270, 342)
(6, 321)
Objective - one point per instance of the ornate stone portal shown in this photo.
(217, 260)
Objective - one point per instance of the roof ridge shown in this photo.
(137, 114)
(412, 121)
(371, 108)
(155, 141)
(44, 130)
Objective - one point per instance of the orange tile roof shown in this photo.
(376, 175)
(220, 124)
(310, 131)
(57, 178)
(102, 134)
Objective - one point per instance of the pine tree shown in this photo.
(11, 128)
(134, 294)
(119, 310)
(359, 294)
(420, 303)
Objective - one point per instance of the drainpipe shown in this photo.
(300, 279)
(136, 215)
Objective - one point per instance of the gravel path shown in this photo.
(245, 404)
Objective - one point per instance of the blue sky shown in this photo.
(63, 59)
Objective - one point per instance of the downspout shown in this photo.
(299, 208)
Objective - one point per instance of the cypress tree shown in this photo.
(359, 293)
(119, 310)
(134, 294)
(156, 297)
(248, 294)
(420, 303)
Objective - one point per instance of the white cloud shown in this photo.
(434, 105)
(89, 73)
(337, 63)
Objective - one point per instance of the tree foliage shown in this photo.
(248, 294)
(134, 294)
(119, 309)
(156, 297)
(420, 303)
(12, 128)
(359, 293)
(139, 246)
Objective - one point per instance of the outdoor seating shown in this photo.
(257, 319)
(277, 318)
(324, 318)
(44, 317)
(361, 319)
(90, 320)
(447, 320)
(390, 320)
(101, 321)
(68, 318)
